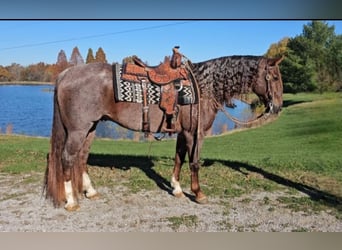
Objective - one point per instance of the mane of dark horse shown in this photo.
(235, 78)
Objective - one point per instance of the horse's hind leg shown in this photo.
(72, 168)
(88, 189)
(181, 150)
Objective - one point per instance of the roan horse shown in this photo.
(84, 95)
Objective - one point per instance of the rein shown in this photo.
(188, 66)
(264, 115)
(220, 107)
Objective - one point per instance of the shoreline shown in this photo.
(26, 83)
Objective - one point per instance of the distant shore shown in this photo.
(26, 83)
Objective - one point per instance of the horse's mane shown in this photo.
(231, 74)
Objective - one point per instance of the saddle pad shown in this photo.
(127, 91)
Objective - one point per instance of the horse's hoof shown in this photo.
(72, 208)
(202, 200)
(95, 196)
(179, 195)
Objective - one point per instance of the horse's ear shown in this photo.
(275, 61)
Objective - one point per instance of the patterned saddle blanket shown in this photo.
(130, 90)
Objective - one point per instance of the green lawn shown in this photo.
(306, 137)
(300, 151)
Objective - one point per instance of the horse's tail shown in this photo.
(54, 180)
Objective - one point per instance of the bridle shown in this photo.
(269, 100)
(264, 115)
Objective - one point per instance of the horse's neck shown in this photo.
(233, 75)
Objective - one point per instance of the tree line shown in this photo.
(312, 60)
(43, 72)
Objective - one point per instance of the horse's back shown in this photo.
(85, 74)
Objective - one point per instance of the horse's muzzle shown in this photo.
(272, 108)
(276, 109)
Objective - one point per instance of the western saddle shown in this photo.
(170, 75)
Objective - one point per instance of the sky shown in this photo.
(28, 42)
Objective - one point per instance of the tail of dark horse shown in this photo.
(54, 177)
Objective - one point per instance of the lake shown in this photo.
(27, 109)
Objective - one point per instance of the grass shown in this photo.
(20, 154)
(186, 220)
(300, 151)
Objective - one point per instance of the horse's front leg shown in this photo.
(194, 148)
(181, 150)
(200, 197)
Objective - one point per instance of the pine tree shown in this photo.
(100, 56)
(61, 58)
(76, 58)
(90, 56)
(61, 64)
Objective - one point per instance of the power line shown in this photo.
(92, 36)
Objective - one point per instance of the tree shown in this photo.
(62, 62)
(55, 69)
(318, 34)
(296, 75)
(100, 56)
(334, 59)
(76, 58)
(317, 39)
(15, 71)
(61, 58)
(278, 49)
(312, 59)
(4, 74)
(35, 72)
(90, 56)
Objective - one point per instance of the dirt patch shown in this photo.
(23, 208)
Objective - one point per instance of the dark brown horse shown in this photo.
(84, 95)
